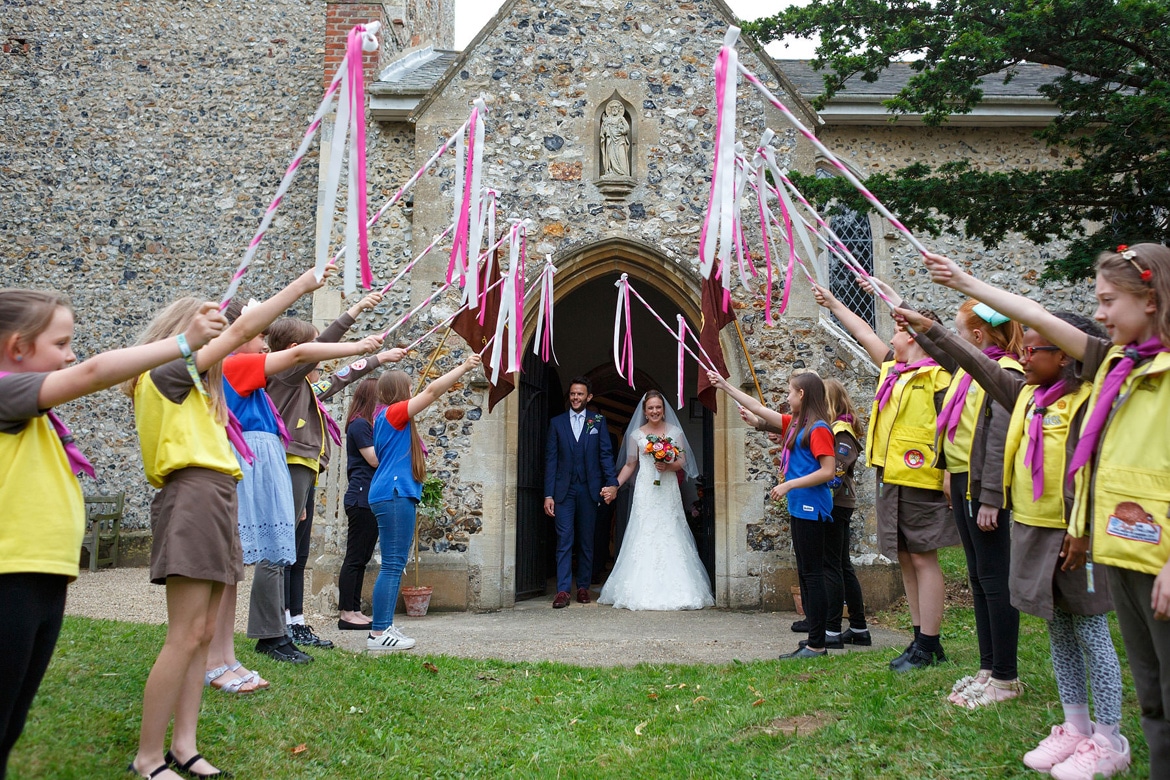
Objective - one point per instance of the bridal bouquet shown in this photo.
(664, 450)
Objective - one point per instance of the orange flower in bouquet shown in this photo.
(664, 450)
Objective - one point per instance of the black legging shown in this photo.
(31, 607)
(997, 622)
(841, 585)
(808, 542)
(359, 547)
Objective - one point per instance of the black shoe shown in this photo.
(804, 652)
(303, 635)
(831, 643)
(861, 639)
(282, 649)
(186, 771)
(918, 658)
(800, 627)
(905, 654)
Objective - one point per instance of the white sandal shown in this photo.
(252, 676)
(963, 683)
(980, 695)
(235, 686)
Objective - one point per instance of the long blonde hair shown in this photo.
(168, 323)
(1008, 336)
(394, 386)
(840, 404)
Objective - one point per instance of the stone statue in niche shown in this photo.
(615, 141)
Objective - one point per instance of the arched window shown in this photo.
(854, 231)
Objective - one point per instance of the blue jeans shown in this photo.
(396, 520)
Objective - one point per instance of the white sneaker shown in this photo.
(398, 633)
(1094, 758)
(389, 640)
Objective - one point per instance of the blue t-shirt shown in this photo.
(810, 503)
(394, 475)
(358, 436)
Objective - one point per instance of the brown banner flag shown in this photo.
(466, 324)
(714, 320)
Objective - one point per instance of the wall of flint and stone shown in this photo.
(138, 150)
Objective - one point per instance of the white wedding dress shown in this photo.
(658, 567)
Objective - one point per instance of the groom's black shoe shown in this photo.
(583, 596)
(561, 600)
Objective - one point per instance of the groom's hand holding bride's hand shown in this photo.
(608, 493)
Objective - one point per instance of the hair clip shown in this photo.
(1126, 253)
(990, 315)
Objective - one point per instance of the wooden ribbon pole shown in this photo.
(752, 368)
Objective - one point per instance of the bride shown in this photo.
(658, 566)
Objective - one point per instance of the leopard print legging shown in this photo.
(1073, 639)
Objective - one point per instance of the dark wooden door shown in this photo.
(703, 526)
(540, 399)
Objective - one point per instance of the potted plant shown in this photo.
(418, 597)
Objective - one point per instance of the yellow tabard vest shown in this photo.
(1126, 497)
(42, 514)
(1048, 512)
(900, 438)
(178, 436)
(958, 452)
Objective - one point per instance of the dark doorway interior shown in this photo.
(584, 338)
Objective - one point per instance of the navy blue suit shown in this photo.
(575, 470)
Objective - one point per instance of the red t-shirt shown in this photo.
(245, 372)
(396, 414)
(821, 442)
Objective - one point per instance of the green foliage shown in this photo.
(432, 493)
(1113, 100)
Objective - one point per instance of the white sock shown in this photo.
(1077, 715)
(1112, 733)
(287, 617)
(832, 633)
(296, 620)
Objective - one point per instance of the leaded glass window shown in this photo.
(854, 231)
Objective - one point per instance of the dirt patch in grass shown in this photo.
(795, 725)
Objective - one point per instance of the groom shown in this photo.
(578, 473)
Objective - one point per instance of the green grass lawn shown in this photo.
(352, 716)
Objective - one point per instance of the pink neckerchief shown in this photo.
(78, 463)
(1034, 455)
(1091, 434)
(952, 412)
(235, 434)
(887, 387)
(281, 429)
(785, 452)
(330, 424)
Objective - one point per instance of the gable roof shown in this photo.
(1017, 102)
(802, 104)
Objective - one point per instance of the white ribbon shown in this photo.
(715, 245)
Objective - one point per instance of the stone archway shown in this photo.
(596, 264)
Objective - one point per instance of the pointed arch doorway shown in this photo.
(585, 302)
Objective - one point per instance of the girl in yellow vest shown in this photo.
(184, 430)
(912, 514)
(1121, 466)
(1047, 564)
(42, 514)
(969, 439)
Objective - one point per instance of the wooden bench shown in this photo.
(103, 525)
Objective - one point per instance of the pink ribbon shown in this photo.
(682, 333)
(356, 212)
(721, 205)
(411, 264)
(623, 355)
(468, 170)
(406, 317)
(1043, 398)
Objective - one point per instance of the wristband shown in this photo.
(184, 347)
(189, 358)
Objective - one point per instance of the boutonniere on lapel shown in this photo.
(589, 422)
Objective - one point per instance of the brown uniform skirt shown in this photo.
(1037, 583)
(193, 519)
(913, 519)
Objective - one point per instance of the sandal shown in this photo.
(236, 686)
(980, 695)
(956, 696)
(187, 771)
(250, 676)
(130, 770)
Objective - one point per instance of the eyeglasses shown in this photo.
(1030, 352)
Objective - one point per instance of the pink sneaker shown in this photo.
(1054, 748)
(1093, 758)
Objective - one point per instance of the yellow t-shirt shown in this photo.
(42, 512)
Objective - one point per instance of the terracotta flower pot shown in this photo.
(796, 600)
(417, 600)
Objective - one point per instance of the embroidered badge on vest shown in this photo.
(914, 459)
(1130, 521)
